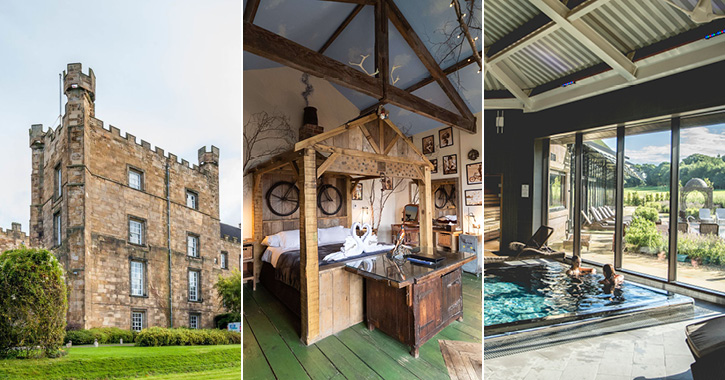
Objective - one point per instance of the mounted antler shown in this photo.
(361, 65)
(391, 74)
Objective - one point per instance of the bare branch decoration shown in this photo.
(266, 135)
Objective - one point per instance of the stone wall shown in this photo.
(96, 205)
(13, 238)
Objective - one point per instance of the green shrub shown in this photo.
(33, 302)
(708, 248)
(648, 213)
(642, 233)
(229, 289)
(159, 336)
(105, 335)
(222, 320)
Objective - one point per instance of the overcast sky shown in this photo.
(168, 72)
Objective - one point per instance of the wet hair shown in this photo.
(608, 270)
(576, 261)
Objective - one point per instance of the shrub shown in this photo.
(33, 302)
(159, 336)
(105, 335)
(230, 293)
(709, 248)
(648, 213)
(222, 320)
(643, 233)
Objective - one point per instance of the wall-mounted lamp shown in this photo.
(499, 122)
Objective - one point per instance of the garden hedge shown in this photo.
(159, 336)
(33, 303)
(105, 335)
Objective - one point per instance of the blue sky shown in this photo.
(168, 72)
(654, 148)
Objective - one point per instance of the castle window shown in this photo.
(192, 199)
(137, 320)
(194, 320)
(135, 179)
(58, 182)
(136, 231)
(57, 228)
(223, 261)
(192, 245)
(194, 283)
(138, 276)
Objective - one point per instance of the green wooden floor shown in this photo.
(272, 346)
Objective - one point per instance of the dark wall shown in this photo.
(512, 153)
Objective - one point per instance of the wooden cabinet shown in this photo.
(412, 234)
(413, 314)
(248, 264)
(446, 239)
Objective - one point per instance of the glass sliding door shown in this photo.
(560, 185)
(646, 199)
(701, 202)
(598, 211)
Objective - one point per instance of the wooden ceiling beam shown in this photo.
(276, 48)
(382, 59)
(250, 10)
(448, 71)
(340, 28)
(415, 43)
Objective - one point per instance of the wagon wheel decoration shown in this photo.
(283, 198)
(329, 199)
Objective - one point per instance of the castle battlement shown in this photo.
(230, 239)
(14, 232)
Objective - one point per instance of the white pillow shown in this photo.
(289, 239)
(271, 241)
(332, 235)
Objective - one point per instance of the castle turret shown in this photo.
(37, 145)
(209, 165)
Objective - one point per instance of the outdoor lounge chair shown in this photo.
(596, 224)
(536, 246)
(706, 341)
(720, 216)
(705, 215)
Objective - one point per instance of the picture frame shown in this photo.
(474, 174)
(445, 136)
(450, 164)
(357, 193)
(429, 146)
(474, 197)
(435, 166)
(387, 183)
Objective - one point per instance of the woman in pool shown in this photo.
(576, 268)
(612, 281)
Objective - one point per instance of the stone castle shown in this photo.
(137, 231)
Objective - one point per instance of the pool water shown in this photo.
(532, 292)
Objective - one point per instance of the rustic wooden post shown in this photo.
(257, 199)
(426, 209)
(309, 269)
(348, 200)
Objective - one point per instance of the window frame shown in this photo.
(198, 244)
(143, 318)
(198, 320)
(57, 228)
(58, 181)
(197, 294)
(562, 193)
(142, 221)
(224, 260)
(141, 175)
(144, 277)
(196, 198)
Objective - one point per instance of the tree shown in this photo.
(229, 289)
(33, 304)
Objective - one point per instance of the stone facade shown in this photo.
(13, 238)
(80, 174)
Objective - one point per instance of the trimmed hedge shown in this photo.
(33, 303)
(159, 336)
(105, 335)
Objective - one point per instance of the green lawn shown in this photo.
(177, 362)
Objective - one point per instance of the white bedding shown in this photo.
(272, 254)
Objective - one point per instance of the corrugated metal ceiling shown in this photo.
(627, 24)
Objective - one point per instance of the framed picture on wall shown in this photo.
(445, 136)
(429, 145)
(387, 183)
(473, 198)
(450, 164)
(473, 173)
(435, 166)
(357, 192)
